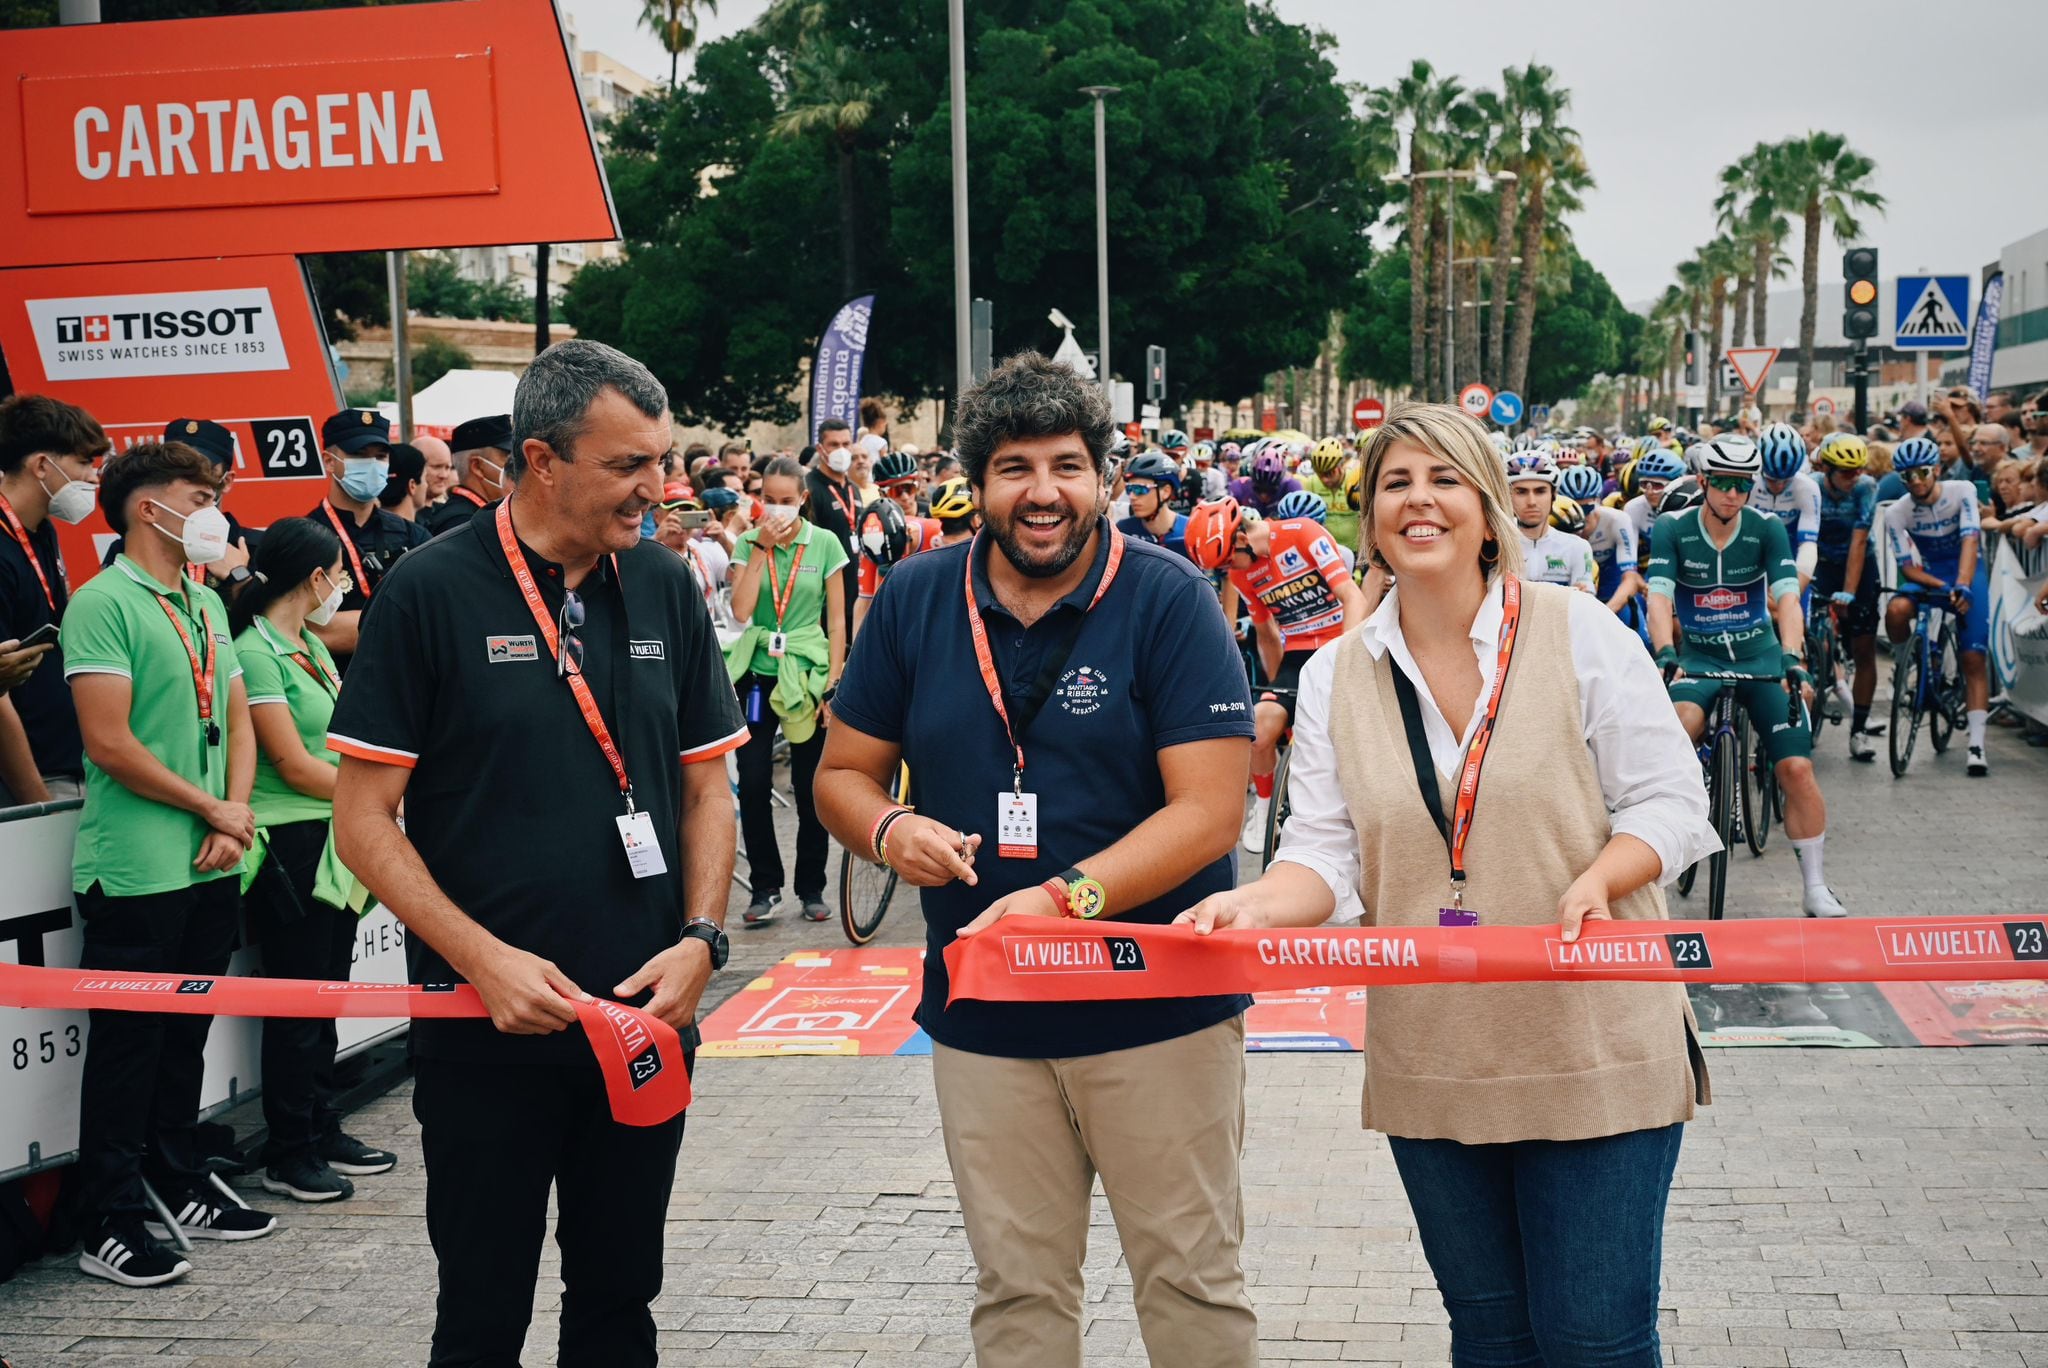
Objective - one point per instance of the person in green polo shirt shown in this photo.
(301, 921)
(169, 762)
(785, 665)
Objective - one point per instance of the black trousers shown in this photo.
(139, 1099)
(496, 1136)
(300, 938)
(757, 810)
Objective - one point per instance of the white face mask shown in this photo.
(205, 538)
(73, 501)
(839, 461)
(496, 477)
(781, 515)
(329, 606)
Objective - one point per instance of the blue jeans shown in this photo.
(1547, 1252)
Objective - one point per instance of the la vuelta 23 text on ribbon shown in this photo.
(640, 1056)
(1029, 959)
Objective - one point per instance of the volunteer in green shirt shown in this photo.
(785, 664)
(169, 761)
(300, 908)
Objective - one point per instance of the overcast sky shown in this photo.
(1664, 95)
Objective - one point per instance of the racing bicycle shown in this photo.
(1724, 750)
(1927, 680)
(865, 887)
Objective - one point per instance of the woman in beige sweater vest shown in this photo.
(1536, 1125)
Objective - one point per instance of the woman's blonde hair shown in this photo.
(1880, 463)
(1455, 438)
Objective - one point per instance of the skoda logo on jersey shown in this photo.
(1083, 690)
(1290, 561)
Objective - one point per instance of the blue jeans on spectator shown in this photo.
(1547, 1252)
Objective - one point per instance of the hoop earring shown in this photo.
(1489, 555)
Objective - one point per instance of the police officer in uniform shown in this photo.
(356, 454)
(482, 447)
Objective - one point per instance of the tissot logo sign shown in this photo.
(318, 131)
(190, 332)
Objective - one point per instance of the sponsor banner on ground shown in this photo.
(2019, 631)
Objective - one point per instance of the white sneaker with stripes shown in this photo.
(209, 1217)
(130, 1257)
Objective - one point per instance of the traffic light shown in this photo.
(1859, 293)
(1692, 358)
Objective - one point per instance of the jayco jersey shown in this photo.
(1613, 541)
(1843, 515)
(1797, 505)
(1932, 534)
(1558, 557)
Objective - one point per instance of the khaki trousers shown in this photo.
(1164, 1126)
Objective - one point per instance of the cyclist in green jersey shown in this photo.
(1724, 599)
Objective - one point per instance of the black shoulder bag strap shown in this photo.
(1418, 746)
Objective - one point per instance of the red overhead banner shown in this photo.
(435, 125)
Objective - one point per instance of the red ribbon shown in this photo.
(1035, 959)
(640, 1056)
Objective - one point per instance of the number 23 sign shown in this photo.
(138, 345)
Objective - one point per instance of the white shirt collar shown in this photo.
(1382, 630)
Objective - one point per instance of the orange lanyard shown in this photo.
(28, 549)
(1475, 754)
(846, 503)
(202, 673)
(986, 660)
(355, 557)
(586, 703)
(462, 492)
(779, 594)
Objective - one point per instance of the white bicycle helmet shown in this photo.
(1731, 455)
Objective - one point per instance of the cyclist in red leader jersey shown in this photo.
(1300, 596)
(896, 475)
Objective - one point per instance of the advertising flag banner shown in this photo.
(2019, 631)
(835, 373)
(1984, 341)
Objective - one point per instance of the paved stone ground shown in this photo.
(1867, 1209)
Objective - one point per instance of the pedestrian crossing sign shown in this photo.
(1932, 313)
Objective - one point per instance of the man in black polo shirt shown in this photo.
(482, 447)
(522, 778)
(49, 473)
(1110, 782)
(832, 502)
(356, 454)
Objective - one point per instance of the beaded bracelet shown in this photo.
(879, 839)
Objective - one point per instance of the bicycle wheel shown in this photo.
(1941, 694)
(1276, 811)
(1760, 778)
(1721, 800)
(1820, 663)
(1906, 708)
(865, 887)
(1746, 810)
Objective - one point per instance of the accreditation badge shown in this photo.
(643, 851)
(1017, 825)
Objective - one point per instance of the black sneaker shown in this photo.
(346, 1154)
(128, 1256)
(306, 1178)
(816, 911)
(761, 910)
(208, 1216)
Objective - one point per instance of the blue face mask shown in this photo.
(363, 478)
(647, 524)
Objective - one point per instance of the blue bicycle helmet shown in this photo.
(1580, 484)
(1783, 451)
(1301, 503)
(1661, 464)
(1916, 453)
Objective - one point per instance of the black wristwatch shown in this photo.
(713, 935)
(239, 576)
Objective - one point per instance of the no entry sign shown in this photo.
(1367, 414)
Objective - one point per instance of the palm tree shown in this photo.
(1419, 99)
(1552, 155)
(674, 25)
(1719, 262)
(1751, 209)
(831, 96)
(1669, 314)
(1822, 177)
(1502, 111)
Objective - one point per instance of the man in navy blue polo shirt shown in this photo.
(1075, 714)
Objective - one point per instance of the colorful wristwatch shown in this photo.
(1085, 896)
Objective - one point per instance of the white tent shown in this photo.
(457, 397)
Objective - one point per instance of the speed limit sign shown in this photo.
(1475, 399)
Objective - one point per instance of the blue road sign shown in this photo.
(1540, 413)
(1932, 313)
(1507, 408)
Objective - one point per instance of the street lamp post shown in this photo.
(1450, 176)
(1099, 93)
(963, 323)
